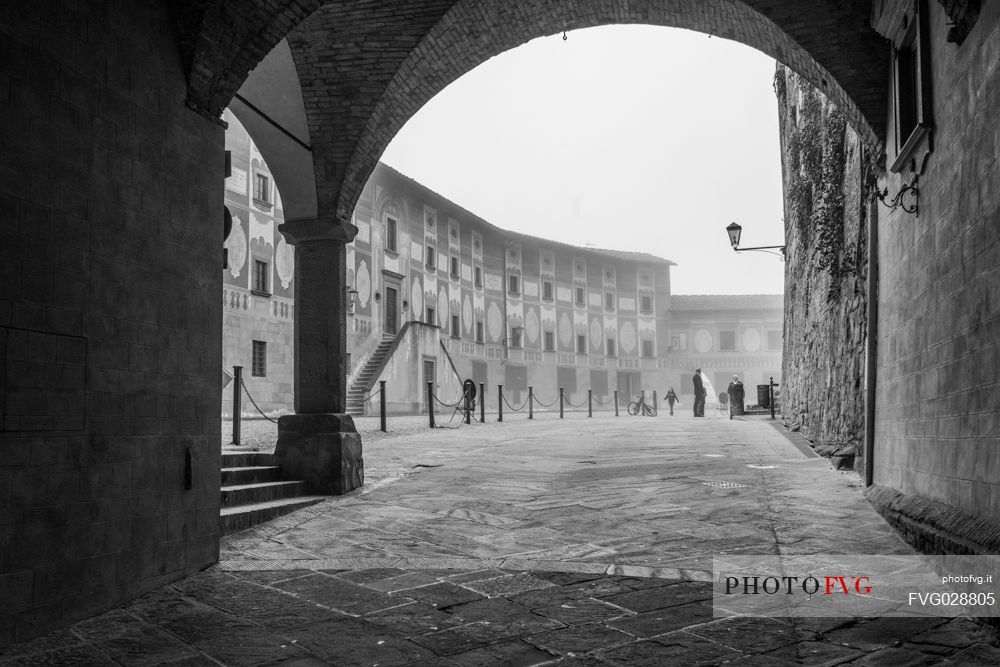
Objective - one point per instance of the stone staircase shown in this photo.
(363, 383)
(254, 492)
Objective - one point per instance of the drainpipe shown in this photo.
(871, 342)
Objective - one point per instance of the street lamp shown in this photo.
(734, 231)
(352, 297)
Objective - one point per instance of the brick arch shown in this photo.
(830, 44)
(367, 68)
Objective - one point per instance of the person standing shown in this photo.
(736, 396)
(671, 399)
(699, 394)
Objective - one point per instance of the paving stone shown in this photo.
(70, 656)
(189, 621)
(579, 612)
(237, 597)
(485, 609)
(977, 654)
(752, 635)
(256, 647)
(355, 642)
(402, 582)
(957, 633)
(478, 575)
(268, 577)
(130, 641)
(503, 653)
(412, 619)
(875, 633)
(367, 576)
(54, 640)
(662, 621)
(338, 594)
(293, 616)
(580, 639)
(508, 585)
(566, 578)
(648, 599)
(443, 595)
(897, 657)
(480, 633)
(655, 654)
(813, 653)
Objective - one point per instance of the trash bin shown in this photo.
(763, 396)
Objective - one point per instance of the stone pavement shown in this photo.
(576, 542)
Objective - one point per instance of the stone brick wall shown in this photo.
(110, 318)
(823, 167)
(938, 418)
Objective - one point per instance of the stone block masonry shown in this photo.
(110, 319)
(825, 279)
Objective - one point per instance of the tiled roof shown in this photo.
(726, 301)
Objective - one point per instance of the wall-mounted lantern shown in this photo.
(735, 231)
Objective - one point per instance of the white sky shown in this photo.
(627, 137)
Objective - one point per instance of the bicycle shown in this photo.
(640, 406)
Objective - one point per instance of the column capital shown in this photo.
(319, 229)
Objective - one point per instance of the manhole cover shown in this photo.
(720, 484)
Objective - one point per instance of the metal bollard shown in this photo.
(770, 393)
(616, 402)
(531, 402)
(499, 402)
(468, 406)
(381, 405)
(237, 393)
(560, 402)
(590, 402)
(654, 403)
(482, 402)
(430, 402)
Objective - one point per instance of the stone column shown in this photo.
(319, 444)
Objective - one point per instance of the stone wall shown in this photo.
(824, 171)
(110, 313)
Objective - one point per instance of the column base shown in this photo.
(324, 450)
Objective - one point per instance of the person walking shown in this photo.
(736, 396)
(671, 399)
(699, 394)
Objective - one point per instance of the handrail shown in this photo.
(450, 362)
(388, 355)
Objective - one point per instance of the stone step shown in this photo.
(241, 517)
(262, 492)
(246, 459)
(250, 475)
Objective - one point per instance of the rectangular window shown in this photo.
(260, 276)
(581, 344)
(515, 337)
(550, 341)
(456, 329)
(547, 290)
(479, 332)
(454, 267)
(430, 316)
(611, 347)
(910, 87)
(390, 234)
(431, 260)
(479, 276)
(262, 188)
(645, 304)
(727, 341)
(647, 348)
(513, 285)
(580, 294)
(774, 340)
(258, 365)
(609, 300)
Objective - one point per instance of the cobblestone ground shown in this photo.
(573, 543)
